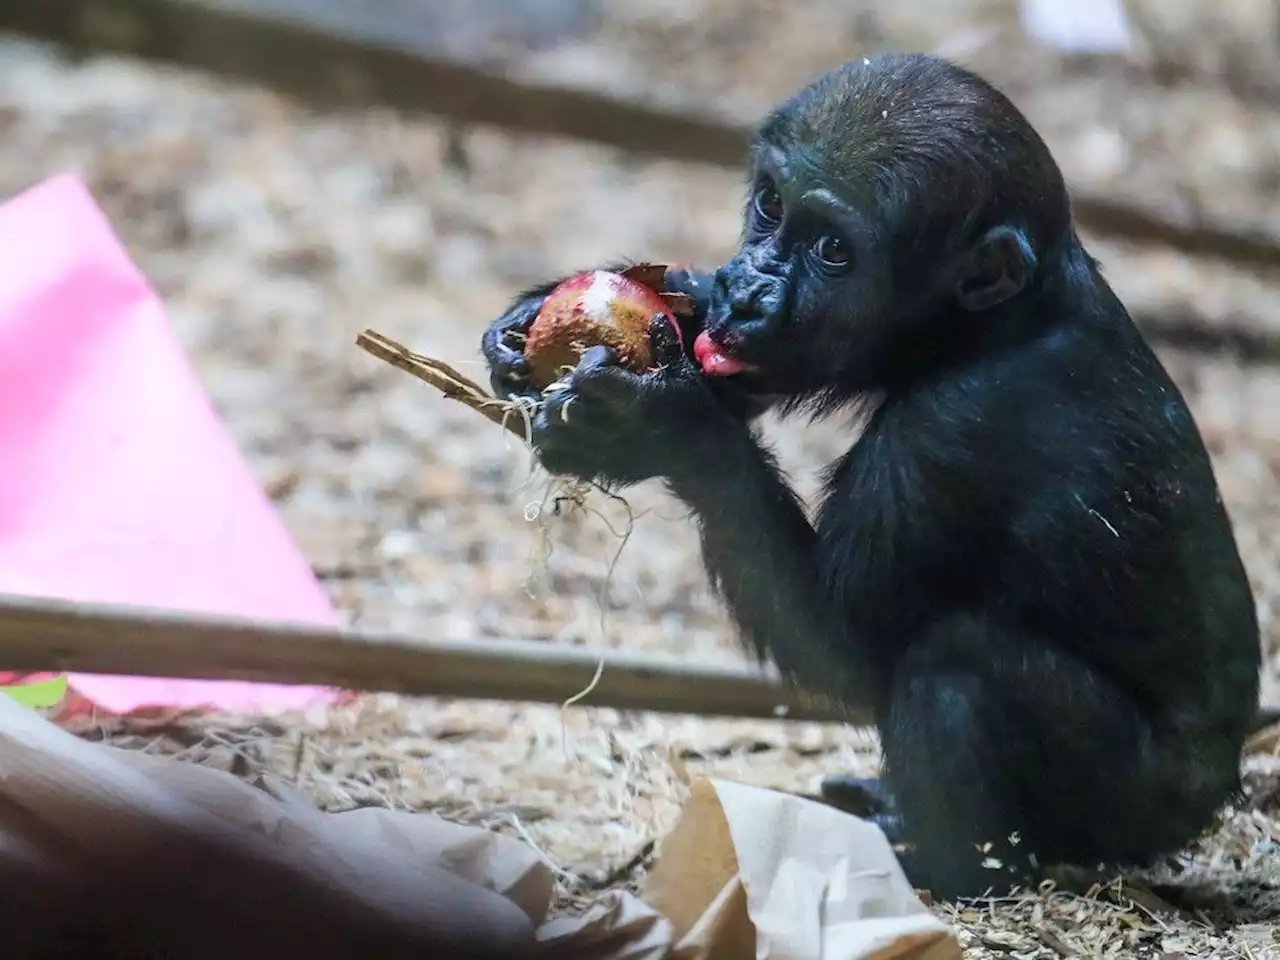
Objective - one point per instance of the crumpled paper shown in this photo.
(754, 873)
(127, 854)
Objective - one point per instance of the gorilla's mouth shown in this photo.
(717, 360)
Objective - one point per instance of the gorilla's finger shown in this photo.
(665, 339)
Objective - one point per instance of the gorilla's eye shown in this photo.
(768, 204)
(832, 251)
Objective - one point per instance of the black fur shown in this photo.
(1024, 563)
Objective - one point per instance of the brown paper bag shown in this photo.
(754, 873)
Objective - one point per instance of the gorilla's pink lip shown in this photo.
(713, 359)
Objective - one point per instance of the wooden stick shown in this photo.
(48, 635)
(444, 378)
(40, 635)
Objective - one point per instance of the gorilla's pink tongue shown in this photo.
(714, 362)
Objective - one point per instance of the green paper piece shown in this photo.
(42, 693)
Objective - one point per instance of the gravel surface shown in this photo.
(274, 235)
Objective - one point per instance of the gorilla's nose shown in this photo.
(743, 296)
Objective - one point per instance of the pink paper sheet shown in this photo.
(118, 483)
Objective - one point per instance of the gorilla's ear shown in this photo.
(998, 268)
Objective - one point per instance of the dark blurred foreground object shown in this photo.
(191, 897)
(110, 853)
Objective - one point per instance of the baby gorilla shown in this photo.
(1024, 562)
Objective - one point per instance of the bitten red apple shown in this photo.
(598, 307)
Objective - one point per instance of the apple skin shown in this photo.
(588, 309)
